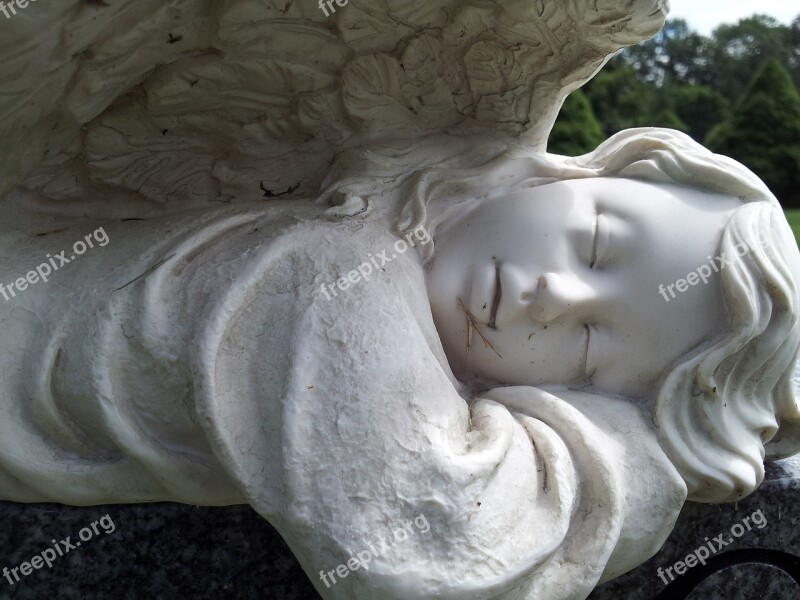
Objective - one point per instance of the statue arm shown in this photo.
(367, 436)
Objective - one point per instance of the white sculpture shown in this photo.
(298, 357)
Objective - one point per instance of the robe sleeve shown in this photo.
(341, 421)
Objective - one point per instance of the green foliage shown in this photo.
(700, 108)
(619, 98)
(794, 51)
(676, 54)
(737, 51)
(763, 131)
(669, 118)
(699, 84)
(577, 130)
(793, 217)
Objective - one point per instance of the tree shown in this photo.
(675, 54)
(620, 100)
(700, 108)
(669, 118)
(724, 62)
(794, 40)
(737, 51)
(577, 130)
(763, 132)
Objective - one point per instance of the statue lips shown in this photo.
(483, 293)
(498, 295)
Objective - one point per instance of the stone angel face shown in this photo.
(564, 281)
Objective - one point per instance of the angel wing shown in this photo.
(183, 102)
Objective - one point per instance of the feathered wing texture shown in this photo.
(190, 101)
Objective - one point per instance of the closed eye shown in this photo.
(585, 353)
(498, 293)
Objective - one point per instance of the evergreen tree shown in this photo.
(763, 132)
(700, 107)
(577, 130)
(619, 98)
(670, 119)
(736, 52)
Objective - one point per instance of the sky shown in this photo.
(705, 15)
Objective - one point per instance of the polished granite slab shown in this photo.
(170, 551)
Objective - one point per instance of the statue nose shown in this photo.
(558, 295)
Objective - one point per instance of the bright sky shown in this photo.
(705, 15)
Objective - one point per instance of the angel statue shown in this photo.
(325, 266)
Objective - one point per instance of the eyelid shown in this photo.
(585, 354)
(600, 243)
(590, 333)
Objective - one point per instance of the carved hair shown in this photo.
(718, 408)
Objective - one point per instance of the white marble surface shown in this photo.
(241, 156)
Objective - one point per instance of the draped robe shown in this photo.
(196, 359)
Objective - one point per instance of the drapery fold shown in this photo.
(213, 370)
